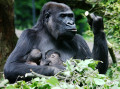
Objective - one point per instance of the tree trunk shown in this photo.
(7, 30)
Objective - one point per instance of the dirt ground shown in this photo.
(90, 44)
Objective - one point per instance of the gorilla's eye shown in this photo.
(53, 55)
(63, 15)
(70, 15)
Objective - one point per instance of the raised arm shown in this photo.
(100, 49)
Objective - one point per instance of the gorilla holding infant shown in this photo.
(52, 57)
(56, 29)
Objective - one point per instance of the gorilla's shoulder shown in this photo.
(78, 37)
(79, 40)
(28, 33)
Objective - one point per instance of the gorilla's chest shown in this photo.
(66, 52)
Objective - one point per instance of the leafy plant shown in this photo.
(81, 75)
(109, 10)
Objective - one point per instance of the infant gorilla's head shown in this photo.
(34, 57)
(52, 57)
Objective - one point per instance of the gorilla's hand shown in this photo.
(96, 22)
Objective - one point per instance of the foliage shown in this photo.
(112, 20)
(23, 12)
(83, 75)
(109, 10)
(81, 20)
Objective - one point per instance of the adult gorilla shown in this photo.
(56, 29)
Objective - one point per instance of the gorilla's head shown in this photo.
(59, 20)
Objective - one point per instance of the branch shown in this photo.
(33, 74)
(110, 48)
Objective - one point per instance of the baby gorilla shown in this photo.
(34, 57)
(52, 57)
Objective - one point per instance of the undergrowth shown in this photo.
(81, 75)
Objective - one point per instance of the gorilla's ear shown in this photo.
(47, 15)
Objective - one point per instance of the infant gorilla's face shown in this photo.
(51, 59)
(54, 56)
(54, 59)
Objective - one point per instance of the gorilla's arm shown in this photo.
(100, 49)
(83, 51)
(16, 65)
(24, 46)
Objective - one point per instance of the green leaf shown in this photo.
(26, 86)
(54, 81)
(10, 87)
(68, 65)
(56, 88)
(88, 61)
(99, 81)
(71, 86)
(101, 76)
(37, 79)
(64, 85)
(67, 73)
(2, 84)
(93, 64)
(46, 86)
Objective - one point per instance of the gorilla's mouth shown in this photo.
(72, 30)
(69, 34)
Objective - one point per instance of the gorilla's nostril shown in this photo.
(70, 23)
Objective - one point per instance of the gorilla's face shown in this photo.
(61, 22)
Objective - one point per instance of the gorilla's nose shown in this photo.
(69, 23)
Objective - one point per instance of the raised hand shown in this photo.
(96, 23)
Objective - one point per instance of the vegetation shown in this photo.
(83, 75)
(112, 21)
(109, 10)
(23, 12)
